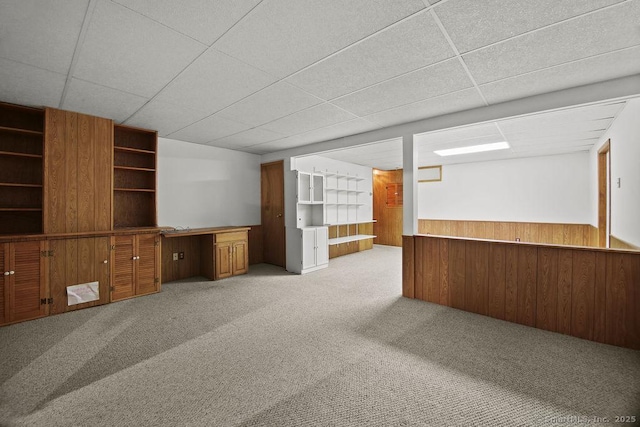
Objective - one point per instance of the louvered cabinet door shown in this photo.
(27, 281)
(4, 283)
(147, 277)
(123, 267)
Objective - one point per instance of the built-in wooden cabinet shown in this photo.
(21, 177)
(77, 261)
(135, 266)
(77, 170)
(23, 283)
(68, 183)
(231, 254)
(134, 177)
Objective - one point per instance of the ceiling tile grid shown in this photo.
(310, 119)
(202, 20)
(213, 82)
(404, 47)
(28, 85)
(115, 104)
(498, 20)
(284, 36)
(271, 103)
(446, 77)
(129, 52)
(209, 129)
(164, 117)
(42, 34)
(593, 34)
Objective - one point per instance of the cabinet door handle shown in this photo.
(12, 272)
(105, 261)
(6, 273)
(137, 257)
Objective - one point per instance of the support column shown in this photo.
(409, 213)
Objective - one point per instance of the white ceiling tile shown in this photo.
(594, 34)
(41, 33)
(522, 146)
(204, 20)
(435, 80)
(457, 134)
(209, 129)
(472, 24)
(561, 118)
(429, 146)
(312, 118)
(283, 36)
(557, 139)
(558, 130)
(271, 103)
(165, 118)
(591, 70)
(89, 98)
(449, 103)
(129, 52)
(246, 138)
(412, 44)
(27, 85)
(351, 127)
(214, 81)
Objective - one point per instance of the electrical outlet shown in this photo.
(181, 255)
(175, 256)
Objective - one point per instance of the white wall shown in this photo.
(549, 189)
(624, 134)
(201, 186)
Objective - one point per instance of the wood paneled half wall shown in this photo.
(588, 293)
(532, 232)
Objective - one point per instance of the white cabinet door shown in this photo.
(322, 245)
(308, 248)
(304, 187)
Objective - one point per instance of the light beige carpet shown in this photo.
(337, 347)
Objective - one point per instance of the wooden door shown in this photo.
(4, 283)
(147, 263)
(272, 212)
(240, 257)
(224, 261)
(122, 267)
(27, 281)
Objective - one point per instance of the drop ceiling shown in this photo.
(263, 76)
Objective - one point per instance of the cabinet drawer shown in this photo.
(231, 237)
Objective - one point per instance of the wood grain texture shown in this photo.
(547, 289)
(28, 285)
(103, 172)
(146, 266)
(71, 172)
(55, 172)
(623, 300)
(457, 274)
(511, 283)
(497, 281)
(272, 212)
(122, 267)
(587, 293)
(256, 247)
(86, 164)
(565, 283)
(477, 277)
(617, 243)
(583, 295)
(527, 281)
(388, 227)
(408, 268)
(561, 234)
(4, 283)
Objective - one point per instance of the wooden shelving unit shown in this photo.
(134, 177)
(21, 166)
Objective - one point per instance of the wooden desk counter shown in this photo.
(213, 252)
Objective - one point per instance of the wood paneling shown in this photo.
(4, 283)
(408, 268)
(256, 247)
(588, 293)
(388, 227)
(616, 243)
(563, 234)
(78, 190)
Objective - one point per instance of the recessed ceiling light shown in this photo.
(473, 149)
